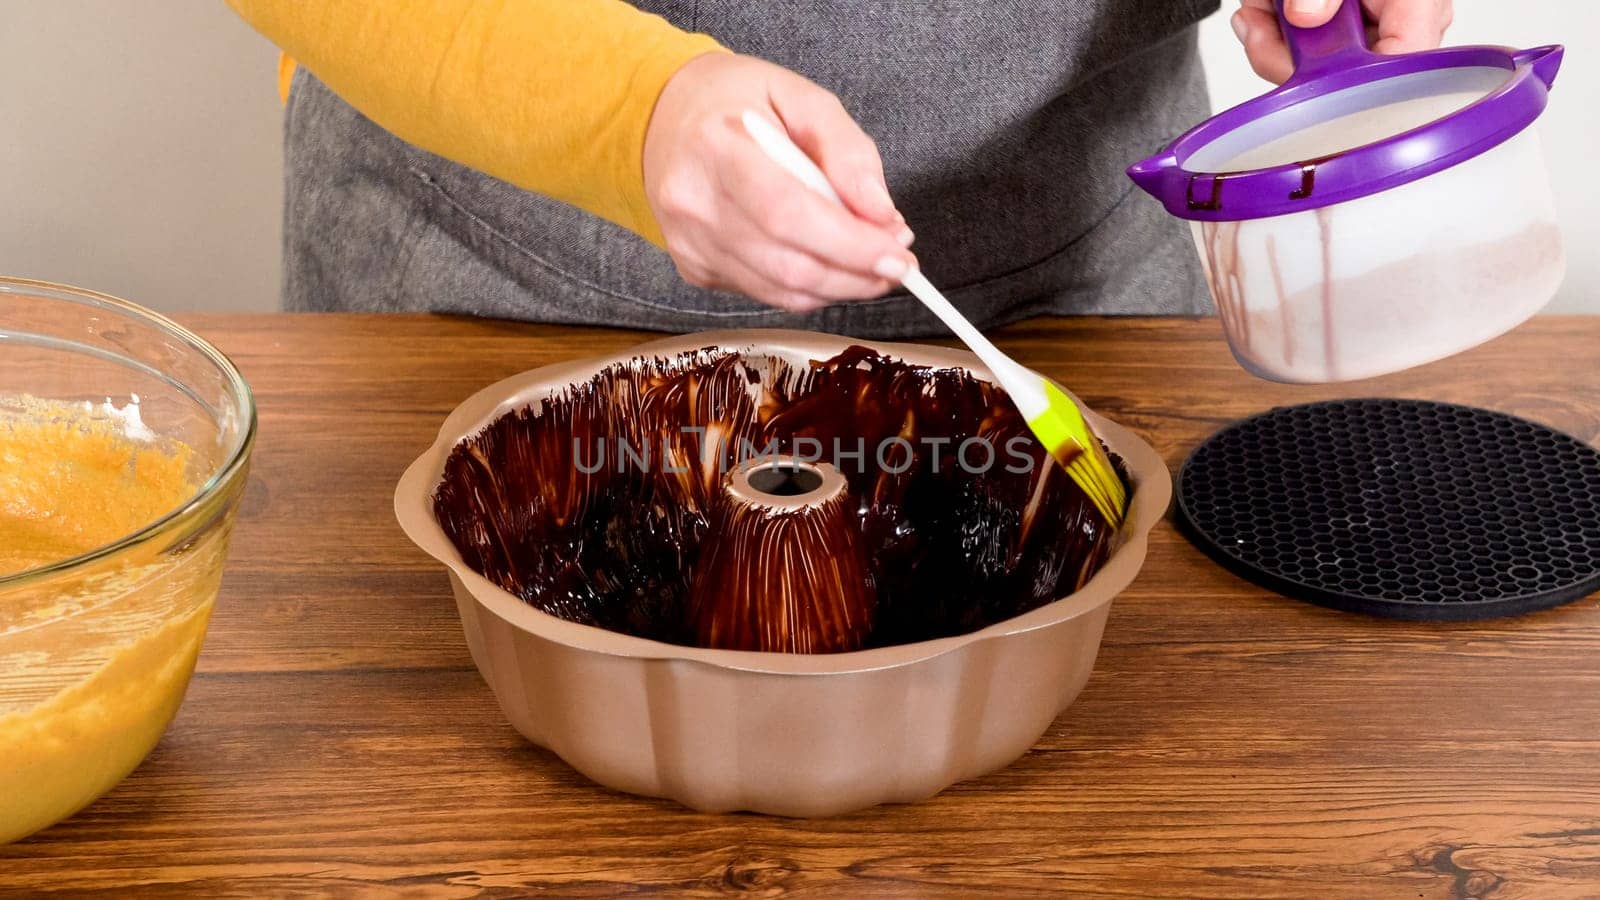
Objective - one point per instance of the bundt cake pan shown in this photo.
(783, 734)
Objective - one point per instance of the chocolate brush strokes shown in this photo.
(600, 503)
(782, 569)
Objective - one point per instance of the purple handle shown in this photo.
(1336, 44)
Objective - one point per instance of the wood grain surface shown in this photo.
(336, 738)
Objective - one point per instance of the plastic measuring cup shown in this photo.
(1374, 212)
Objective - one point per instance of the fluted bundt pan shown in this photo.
(786, 631)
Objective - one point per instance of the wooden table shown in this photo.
(1230, 743)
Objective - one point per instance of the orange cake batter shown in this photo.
(71, 482)
(93, 662)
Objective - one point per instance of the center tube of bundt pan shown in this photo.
(783, 570)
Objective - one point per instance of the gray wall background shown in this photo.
(140, 151)
(140, 143)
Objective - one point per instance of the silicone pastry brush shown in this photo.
(1054, 417)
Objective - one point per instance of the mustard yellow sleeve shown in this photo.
(553, 96)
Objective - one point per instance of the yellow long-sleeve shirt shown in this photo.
(553, 96)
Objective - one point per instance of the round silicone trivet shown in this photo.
(1402, 508)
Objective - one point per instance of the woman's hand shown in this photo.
(733, 220)
(1393, 26)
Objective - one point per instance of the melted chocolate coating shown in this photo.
(949, 550)
(789, 580)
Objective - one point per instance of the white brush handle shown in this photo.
(775, 143)
(1026, 388)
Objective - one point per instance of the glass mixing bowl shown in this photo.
(96, 650)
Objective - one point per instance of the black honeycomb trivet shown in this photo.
(1399, 508)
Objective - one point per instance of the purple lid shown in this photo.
(1334, 58)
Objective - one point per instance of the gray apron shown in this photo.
(1005, 126)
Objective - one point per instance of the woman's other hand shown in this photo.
(1393, 26)
(733, 220)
